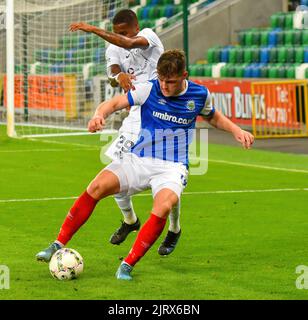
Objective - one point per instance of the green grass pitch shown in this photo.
(234, 245)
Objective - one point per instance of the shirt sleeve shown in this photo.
(140, 94)
(151, 36)
(112, 56)
(208, 109)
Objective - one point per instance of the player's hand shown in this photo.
(244, 137)
(125, 81)
(97, 123)
(80, 26)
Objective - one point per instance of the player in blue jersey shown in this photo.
(132, 57)
(159, 159)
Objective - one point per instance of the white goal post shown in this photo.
(53, 79)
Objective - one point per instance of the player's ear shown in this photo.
(185, 74)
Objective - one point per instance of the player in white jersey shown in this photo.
(170, 105)
(132, 57)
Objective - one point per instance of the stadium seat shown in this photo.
(72, 68)
(197, 70)
(231, 71)
(233, 55)
(274, 21)
(248, 38)
(248, 55)
(147, 23)
(154, 12)
(70, 56)
(224, 72)
(97, 69)
(57, 68)
(239, 55)
(256, 37)
(256, 71)
(282, 55)
(214, 55)
(241, 38)
(255, 54)
(224, 55)
(290, 54)
(299, 55)
(165, 2)
(207, 70)
(192, 70)
(281, 72)
(297, 38)
(276, 71)
(288, 37)
(264, 71)
(264, 37)
(264, 55)
(306, 55)
(169, 10)
(289, 21)
(239, 70)
(305, 37)
(272, 38)
(280, 20)
(280, 37)
(273, 72)
(145, 13)
(248, 71)
(290, 72)
(273, 55)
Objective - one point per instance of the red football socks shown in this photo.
(77, 216)
(147, 235)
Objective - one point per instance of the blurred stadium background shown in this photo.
(247, 242)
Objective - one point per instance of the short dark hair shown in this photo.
(171, 63)
(125, 16)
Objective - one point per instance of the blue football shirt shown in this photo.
(168, 123)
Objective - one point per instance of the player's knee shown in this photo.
(163, 209)
(97, 189)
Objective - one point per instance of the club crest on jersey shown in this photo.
(191, 105)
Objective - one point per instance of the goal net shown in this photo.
(59, 76)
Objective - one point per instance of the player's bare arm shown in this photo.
(114, 38)
(219, 121)
(113, 72)
(117, 77)
(105, 109)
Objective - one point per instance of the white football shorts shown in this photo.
(137, 174)
(121, 144)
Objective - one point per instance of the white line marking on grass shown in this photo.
(244, 191)
(88, 147)
(260, 166)
(66, 143)
(242, 164)
(149, 194)
(84, 132)
(47, 150)
(37, 199)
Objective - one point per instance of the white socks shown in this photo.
(174, 219)
(126, 206)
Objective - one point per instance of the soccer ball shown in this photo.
(66, 264)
